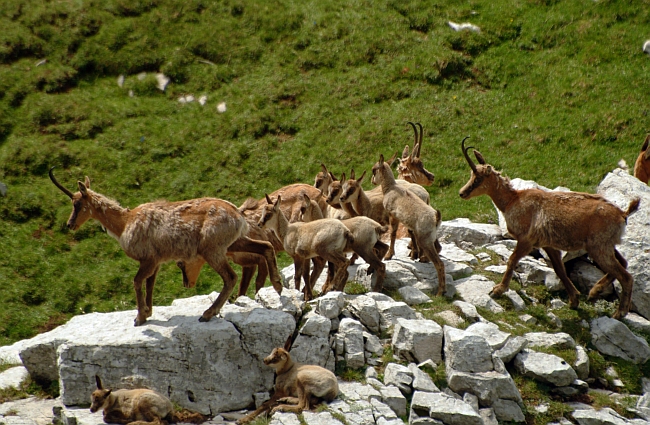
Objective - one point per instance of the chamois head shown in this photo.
(280, 355)
(323, 179)
(270, 213)
(351, 188)
(410, 167)
(80, 210)
(480, 173)
(642, 164)
(335, 190)
(99, 397)
(380, 169)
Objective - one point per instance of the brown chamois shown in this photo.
(137, 407)
(370, 204)
(367, 243)
(554, 221)
(321, 240)
(642, 164)
(410, 167)
(291, 201)
(299, 386)
(418, 216)
(158, 232)
(336, 208)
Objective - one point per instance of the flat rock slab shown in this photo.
(475, 290)
(445, 408)
(546, 368)
(30, 411)
(13, 377)
(613, 338)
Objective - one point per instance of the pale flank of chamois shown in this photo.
(158, 232)
(414, 213)
(554, 221)
(291, 200)
(410, 167)
(367, 243)
(371, 204)
(321, 240)
(300, 387)
(642, 164)
(248, 261)
(137, 407)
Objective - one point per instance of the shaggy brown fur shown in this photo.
(642, 164)
(555, 221)
(300, 387)
(137, 407)
(158, 232)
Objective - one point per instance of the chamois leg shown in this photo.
(558, 266)
(265, 407)
(264, 249)
(303, 401)
(147, 268)
(319, 265)
(151, 280)
(221, 266)
(246, 276)
(394, 224)
(190, 270)
(521, 250)
(377, 265)
(341, 264)
(612, 265)
(262, 273)
(428, 248)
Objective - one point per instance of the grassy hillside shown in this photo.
(549, 90)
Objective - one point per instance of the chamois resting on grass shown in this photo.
(367, 245)
(418, 216)
(137, 407)
(158, 232)
(321, 240)
(299, 386)
(555, 221)
(642, 164)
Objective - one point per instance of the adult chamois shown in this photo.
(158, 232)
(410, 167)
(555, 221)
(419, 217)
(642, 164)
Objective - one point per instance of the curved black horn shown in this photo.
(59, 185)
(417, 155)
(465, 149)
(415, 142)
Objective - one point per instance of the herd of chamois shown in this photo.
(320, 224)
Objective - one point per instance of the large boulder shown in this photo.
(443, 407)
(206, 367)
(620, 188)
(613, 338)
(462, 230)
(547, 368)
(417, 340)
(487, 386)
(466, 352)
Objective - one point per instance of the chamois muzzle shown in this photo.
(59, 185)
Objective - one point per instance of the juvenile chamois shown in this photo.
(413, 212)
(291, 200)
(330, 186)
(410, 167)
(367, 245)
(642, 164)
(321, 240)
(158, 232)
(299, 386)
(137, 407)
(555, 221)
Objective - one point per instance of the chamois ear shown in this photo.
(268, 199)
(343, 177)
(332, 176)
(323, 168)
(83, 189)
(87, 182)
(352, 174)
(392, 159)
(405, 152)
(381, 159)
(277, 202)
(288, 343)
(306, 197)
(99, 382)
(479, 157)
(362, 176)
(645, 144)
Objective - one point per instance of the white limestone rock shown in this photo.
(546, 368)
(13, 377)
(487, 386)
(613, 338)
(445, 408)
(491, 333)
(475, 290)
(321, 418)
(451, 252)
(636, 322)
(560, 340)
(450, 318)
(352, 332)
(331, 304)
(605, 416)
(417, 340)
(508, 411)
(291, 301)
(282, 418)
(463, 230)
(413, 296)
(365, 309)
(393, 397)
(501, 249)
(355, 391)
(390, 311)
(421, 380)
(314, 350)
(512, 347)
(317, 326)
(581, 365)
(488, 416)
(468, 311)
(467, 352)
(398, 376)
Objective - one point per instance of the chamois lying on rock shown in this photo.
(299, 386)
(137, 407)
(555, 221)
(158, 232)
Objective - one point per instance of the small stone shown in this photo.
(528, 319)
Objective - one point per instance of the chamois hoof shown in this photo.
(203, 319)
(497, 291)
(574, 304)
(137, 322)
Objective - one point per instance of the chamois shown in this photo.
(371, 205)
(291, 200)
(413, 212)
(642, 164)
(137, 407)
(410, 167)
(300, 386)
(321, 240)
(555, 221)
(158, 232)
(367, 244)
(331, 189)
